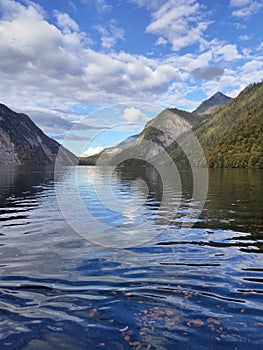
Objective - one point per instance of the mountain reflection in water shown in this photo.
(186, 289)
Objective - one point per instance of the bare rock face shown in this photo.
(23, 143)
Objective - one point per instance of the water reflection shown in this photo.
(235, 201)
(23, 181)
(189, 289)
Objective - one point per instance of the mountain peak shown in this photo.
(218, 99)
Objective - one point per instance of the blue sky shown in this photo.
(87, 68)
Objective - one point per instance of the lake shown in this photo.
(126, 269)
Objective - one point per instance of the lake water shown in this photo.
(153, 286)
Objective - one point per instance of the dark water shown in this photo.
(200, 288)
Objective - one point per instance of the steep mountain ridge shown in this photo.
(218, 99)
(231, 135)
(23, 143)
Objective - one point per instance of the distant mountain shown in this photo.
(23, 143)
(129, 139)
(159, 131)
(230, 135)
(218, 99)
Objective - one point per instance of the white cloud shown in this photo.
(226, 52)
(179, 22)
(133, 115)
(252, 66)
(245, 8)
(110, 35)
(161, 41)
(91, 151)
(55, 65)
(66, 23)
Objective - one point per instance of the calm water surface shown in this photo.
(200, 288)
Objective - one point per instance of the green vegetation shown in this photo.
(233, 137)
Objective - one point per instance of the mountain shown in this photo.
(158, 133)
(233, 137)
(23, 143)
(129, 139)
(218, 99)
(230, 135)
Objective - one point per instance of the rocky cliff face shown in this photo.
(159, 133)
(23, 143)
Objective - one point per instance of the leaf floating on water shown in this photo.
(92, 312)
(195, 323)
(212, 327)
(144, 311)
(188, 294)
(124, 329)
(213, 320)
(134, 343)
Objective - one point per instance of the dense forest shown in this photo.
(233, 137)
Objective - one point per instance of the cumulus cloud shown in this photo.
(179, 22)
(110, 35)
(245, 8)
(207, 73)
(252, 66)
(91, 151)
(226, 52)
(133, 115)
(55, 65)
(67, 24)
